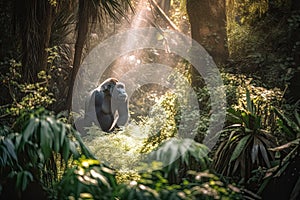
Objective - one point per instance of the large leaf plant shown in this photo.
(179, 156)
(37, 153)
(247, 142)
(288, 166)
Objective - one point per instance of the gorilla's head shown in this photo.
(119, 92)
(108, 86)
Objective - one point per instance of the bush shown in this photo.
(87, 179)
(247, 143)
(39, 153)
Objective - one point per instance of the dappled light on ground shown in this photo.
(120, 149)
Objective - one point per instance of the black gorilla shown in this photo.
(106, 106)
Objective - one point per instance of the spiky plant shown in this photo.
(287, 169)
(247, 143)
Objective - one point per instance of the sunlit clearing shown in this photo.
(124, 150)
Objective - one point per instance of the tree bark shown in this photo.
(83, 27)
(208, 26)
(293, 89)
(35, 20)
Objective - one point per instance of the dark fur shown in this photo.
(106, 106)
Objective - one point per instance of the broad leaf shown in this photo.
(66, 150)
(239, 148)
(254, 150)
(264, 154)
(290, 124)
(33, 122)
(46, 140)
(10, 148)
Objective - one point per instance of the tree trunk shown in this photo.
(208, 26)
(82, 32)
(35, 21)
(293, 89)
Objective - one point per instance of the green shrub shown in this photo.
(26, 96)
(87, 179)
(39, 152)
(289, 153)
(199, 185)
(178, 156)
(247, 143)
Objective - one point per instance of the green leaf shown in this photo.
(254, 150)
(56, 142)
(257, 124)
(73, 149)
(46, 140)
(234, 116)
(264, 154)
(236, 165)
(29, 130)
(290, 124)
(23, 179)
(19, 180)
(66, 150)
(10, 148)
(62, 134)
(245, 119)
(296, 190)
(297, 116)
(18, 140)
(239, 148)
(24, 182)
(54, 125)
(249, 102)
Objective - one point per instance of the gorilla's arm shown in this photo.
(89, 115)
(123, 113)
(103, 111)
(90, 106)
(98, 99)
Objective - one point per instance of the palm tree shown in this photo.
(92, 10)
(33, 20)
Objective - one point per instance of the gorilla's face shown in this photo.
(108, 87)
(119, 92)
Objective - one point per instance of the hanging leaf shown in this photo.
(236, 164)
(239, 148)
(62, 134)
(27, 133)
(264, 154)
(45, 139)
(66, 150)
(289, 123)
(254, 150)
(73, 149)
(54, 125)
(9, 146)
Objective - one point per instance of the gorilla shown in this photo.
(106, 106)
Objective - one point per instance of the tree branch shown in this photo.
(163, 15)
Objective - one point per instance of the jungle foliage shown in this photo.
(42, 156)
